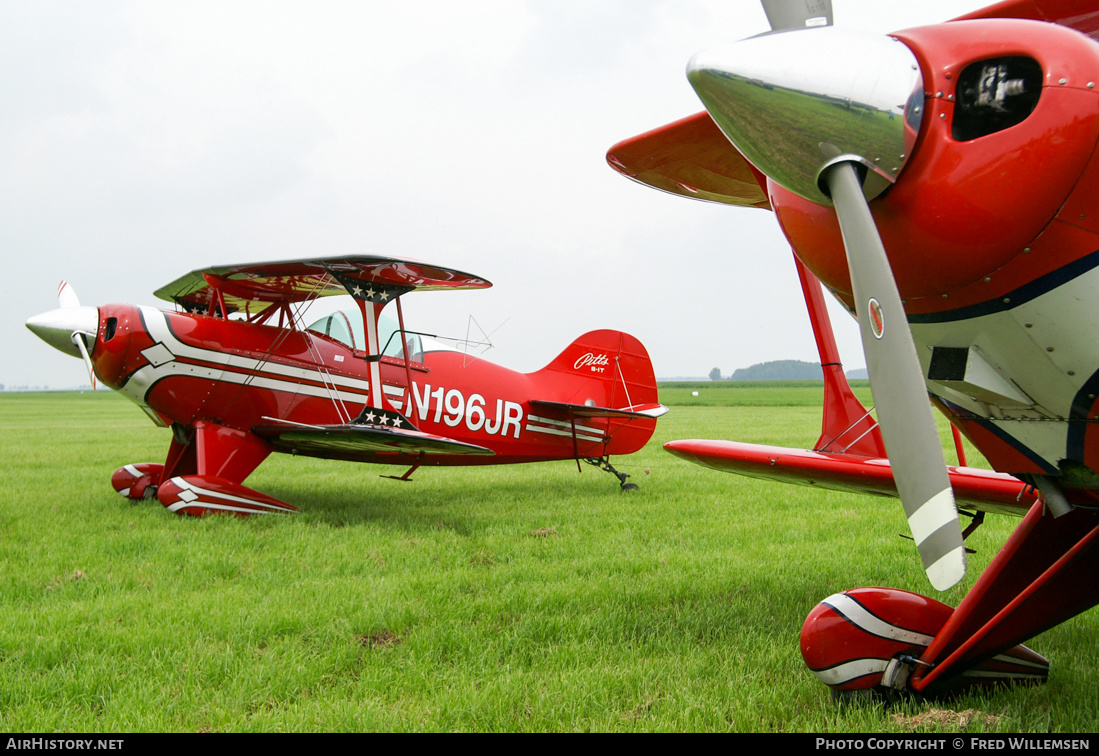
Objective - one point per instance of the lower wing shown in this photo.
(354, 441)
(984, 490)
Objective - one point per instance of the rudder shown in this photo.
(615, 361)
(607, 377)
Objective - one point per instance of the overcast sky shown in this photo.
(141, 140)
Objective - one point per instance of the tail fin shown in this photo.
(607, 368)
(607, 378)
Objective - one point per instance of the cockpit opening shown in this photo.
(345, 326)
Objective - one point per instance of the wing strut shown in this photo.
(621, 377)
(407, 477)
(407, 366)
(575, 446)
(841, 412)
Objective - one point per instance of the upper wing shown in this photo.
(306, 279)
(1081, 15)
(981, 489)
(691, 158)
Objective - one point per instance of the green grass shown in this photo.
(482, 599)
(753, 393)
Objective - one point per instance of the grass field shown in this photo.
(525, 598)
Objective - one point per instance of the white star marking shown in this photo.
(396, 422)
(357, 290)
(370, 293)
(385, 295)
(383, 420)
(370, 417)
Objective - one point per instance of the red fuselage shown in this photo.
(187, 368)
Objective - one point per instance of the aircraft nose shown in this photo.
(57, 327)
(795, 103)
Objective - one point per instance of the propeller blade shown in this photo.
(66, 296)
(65, 328)
(896, 381)
(78, 339)
(787, 15)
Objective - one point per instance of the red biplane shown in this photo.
(236, 377)
(943, 184)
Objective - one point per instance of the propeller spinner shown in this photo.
(67, 327)
(840, 134)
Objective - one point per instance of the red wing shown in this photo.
(691, 158)
(981, 489)
(1081, 15)
(306, 279)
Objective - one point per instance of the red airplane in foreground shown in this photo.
(236, 377)
(943, 184)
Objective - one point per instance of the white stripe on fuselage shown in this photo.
(264, 374)
(562, 424)
(564, 433)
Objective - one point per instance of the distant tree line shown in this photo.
(782, 370)
(776, 370)
(779, 370)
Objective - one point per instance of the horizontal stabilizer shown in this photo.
(584, 410)
(360, 442)
(980, 489)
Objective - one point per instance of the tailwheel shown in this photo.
(604, 463)
(868, 642)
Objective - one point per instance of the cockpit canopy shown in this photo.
(346, 327)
